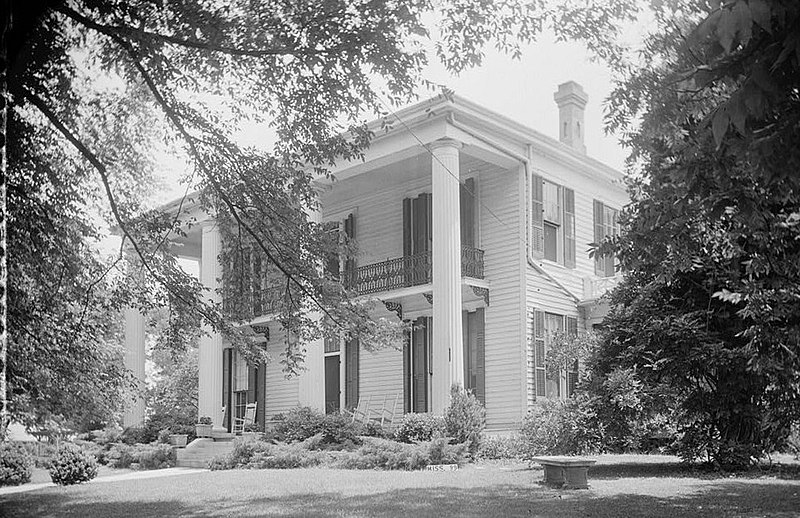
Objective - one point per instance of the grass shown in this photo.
(620, 486)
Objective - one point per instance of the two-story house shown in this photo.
(471, 226)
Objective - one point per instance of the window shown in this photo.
(553, 222)
(546, 328)
(340, 267)
(605, 224)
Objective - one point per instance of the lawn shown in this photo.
(620, 486)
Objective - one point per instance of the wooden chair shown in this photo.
(249, 418)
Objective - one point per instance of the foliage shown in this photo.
(172, 399)
(15, 465)
(205, 420)
(500, 447)
(385, 454)
(263, 455)
(419, 427)
(71, 465)
(564, 350)
(556, 427)
(145, 456)
(464, 418)
(301, 423)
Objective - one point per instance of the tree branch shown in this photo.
(142, 35)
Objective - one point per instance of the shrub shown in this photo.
(71, 465)
(147, 456)
(561, 428)
(419, 427)
(465, 418)
(506, 447)
(262, 455)
(385, 454)
(336, 431)
(15, 465)
(298, 424)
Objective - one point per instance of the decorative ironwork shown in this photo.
(481, 292)
(412, 270)
(400, 272)
(428, 297)
(261, 330)
(394, 306)
(472, 262)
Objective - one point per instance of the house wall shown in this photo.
(281, 394)
(541, 290)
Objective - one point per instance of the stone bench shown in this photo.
(565, 472)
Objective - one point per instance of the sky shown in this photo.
(519, 89)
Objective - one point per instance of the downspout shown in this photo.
(526, 164)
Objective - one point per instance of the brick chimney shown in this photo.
(571, 100)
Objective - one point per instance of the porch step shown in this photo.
(200, 451)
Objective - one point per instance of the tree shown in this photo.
(711, 241)
(312, 69)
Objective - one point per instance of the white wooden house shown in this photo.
(469, 224)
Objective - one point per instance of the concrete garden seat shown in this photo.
(565, 472)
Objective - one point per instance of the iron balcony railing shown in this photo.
(411, 270)
(400, 272)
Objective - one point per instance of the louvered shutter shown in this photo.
(227, 354)
(572, 370)
(406, 372)
(407, 243)
(537, 216)
(611, 230)
(599, 234)
(351, 378)
(569, 228)
(480, 386)
(350, 262)
(540, 374)
(467, 208)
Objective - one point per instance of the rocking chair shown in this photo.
(239, 423)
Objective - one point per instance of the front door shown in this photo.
(332, 384)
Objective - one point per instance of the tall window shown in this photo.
(605, 224)
(553, 222)
(552, 381)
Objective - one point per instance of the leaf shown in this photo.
(726, 29)
(719, 125)
(761, 14)
(744, 22)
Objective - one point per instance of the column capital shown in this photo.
(445, 143)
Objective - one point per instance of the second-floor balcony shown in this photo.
(412, 270)
(392, 274)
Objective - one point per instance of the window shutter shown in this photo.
(407, 246)
(261, 393)
(407, 372)
(540, 374)
(572, 326)
(611, 230)
(420, 224)
(467, 204)
(480, 387)
(537, 216)
(351, 383)
(350, 262)
(251, 384)
(569, 228)
(599, 234)
(226, 385)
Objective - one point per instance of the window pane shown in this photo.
(552, 202)
(550, 242)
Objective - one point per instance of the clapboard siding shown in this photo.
(500, 239)
(381, 378)
(541, 292)
(282, 394)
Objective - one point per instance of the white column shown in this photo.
(448, 361)
(134, 361)
(311, 390)
(210, 348)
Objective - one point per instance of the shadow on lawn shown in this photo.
(680, 470)
(728, 498)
